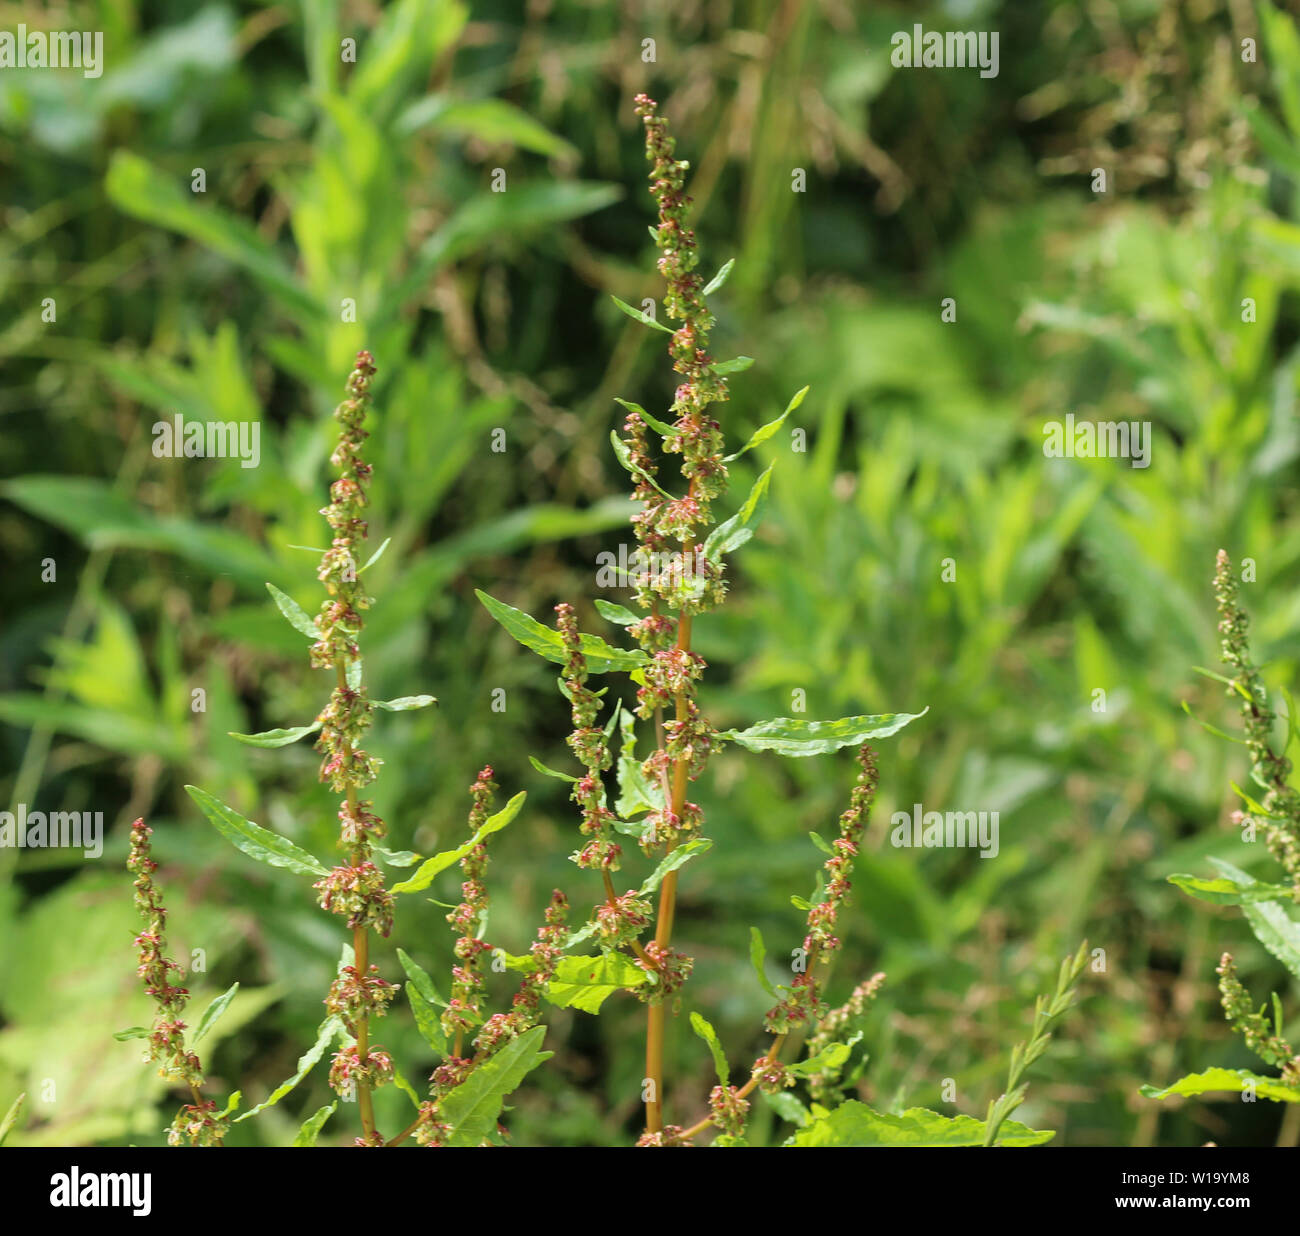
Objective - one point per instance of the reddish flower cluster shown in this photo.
(358, 894)
(353, 996)
(348, 1070)
(197, 1123)
(464, 1010)
(587, 742)
(803, 1004)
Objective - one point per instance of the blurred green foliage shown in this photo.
(371, 183)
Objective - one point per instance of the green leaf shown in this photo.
(821, 843)
(658, 426)
(792, 737)
(624, 455)
(734, 532)
(420, 977)
(855, 1124)
(210, 1015)
(399, 1080)
(255, 841)
(1236, 1080)
(298, 617)
(490, 120)
(830, 1059)
(427, 1021)
(276, 738)
(764, 432)
(1225, 892)
(1276, 930)
(329, 1028)
(142, 190)
(232, 1104)
(737, 365)
(788, 1108)
(8, 1124)
(405, 703)
(601, 658)
(757, 955)
(549, 772)
(586, 982)
(375, 557)
(710, 1036)
(397, 858)
(636, 793)
(679, 857)
(619, 615)
(134, 1032)
(440, 862)
(644, 318)
(311, 1127)
(719, 279)
(473, 1107)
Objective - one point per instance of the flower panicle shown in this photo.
(803, 1005)
(1263, 1039)
(197, 1123)
(682, 580)
(587, 742)
(1280, 820)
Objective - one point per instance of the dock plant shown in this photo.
(632, 811)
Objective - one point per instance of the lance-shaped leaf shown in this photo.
(311, 1127)
(601, 657)
(734, 532)
(1225, 892)
(397, 858)
(764, 432)
(644, 318)
(254, 840)
(427, 1021)
(679, 857)
(549, 772)
(619, 615)
(624, 454)
(276, 738)
(636, 792)
(658, 426)
(855, 1124)
(406, 703)
(132, 1032)
(423, 876)
(829, 1060)
(210, 1015)
(1236, 1080)
(719, 279)
(757, 955)
(298, 617)
(375, 557)
(473, 1107)
(706, 1031)
(1276, 930)
(586, 982)
(329, 1028)
(420, 978)
(736, 365)
(793, 737)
